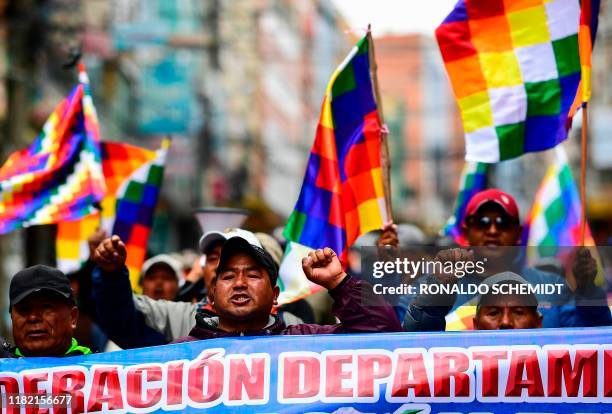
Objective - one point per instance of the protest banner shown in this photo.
(560, 371)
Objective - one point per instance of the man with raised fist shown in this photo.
(244, 291)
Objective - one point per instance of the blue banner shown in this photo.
(531, 371)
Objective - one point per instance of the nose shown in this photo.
(240, 282)
(33, 316)
(492, 229)
(506, 322)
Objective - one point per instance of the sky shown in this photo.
(395, 16)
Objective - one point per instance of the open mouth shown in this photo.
(240, 299)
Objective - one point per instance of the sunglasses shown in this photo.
(483, 223)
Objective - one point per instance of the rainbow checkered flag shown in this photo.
(134, 177)
(342, 193)
(59, 177)
(589, 20)
(555, 214)
(554, 221)
(515, 68)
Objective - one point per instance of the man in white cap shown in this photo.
(159, 277)
(507, 311)
(133, 320)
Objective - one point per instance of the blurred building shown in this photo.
(238, 85)
(426, 136)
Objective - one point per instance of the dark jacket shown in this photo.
(117, 315)
(355, 305)
(428, 314)
(6, 349)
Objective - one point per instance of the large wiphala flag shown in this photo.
(59, 176)
(342, 194)
(515, 68)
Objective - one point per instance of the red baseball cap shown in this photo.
(493, 195)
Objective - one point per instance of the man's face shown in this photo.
(160, 283)
(212, 260)
(43, 324)
(509, 313)
(491, 226)
(243, 292)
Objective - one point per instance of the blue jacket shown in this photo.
(419, 314)
(117, 316)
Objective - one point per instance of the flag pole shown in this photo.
(386, 162)
(583, 159)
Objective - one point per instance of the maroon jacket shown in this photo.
(355, 305)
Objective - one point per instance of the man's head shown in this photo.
(210, 246)
(492, 219)
(159, 277)
(244, 289)
(43, 311)
(508, 305)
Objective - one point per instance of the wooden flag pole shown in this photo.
(583, 159)
(386, 162)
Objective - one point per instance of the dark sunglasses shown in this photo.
(483, 223)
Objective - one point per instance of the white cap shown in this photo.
(508, 277)
(217, 236)
(505, 277)
(174, 264)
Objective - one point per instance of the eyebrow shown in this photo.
(229, 269)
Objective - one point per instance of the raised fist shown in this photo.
(452, 255)
(388, 237)
(584, 269)
(110, 254)
(94, 240)
(323, 267)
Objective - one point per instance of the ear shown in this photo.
(475, 323)
(276, 292)
(74, 316)
(539, 323)
(210, 295)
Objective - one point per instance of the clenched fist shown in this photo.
(585, 269)
(110, 255)
(388, 236)
(94, 241)
(452, 255)
(323, 267)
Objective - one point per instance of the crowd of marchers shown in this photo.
(231, 290)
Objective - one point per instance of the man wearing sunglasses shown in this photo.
(492, 225)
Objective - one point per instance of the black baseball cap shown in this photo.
(36, 279)
(236, 245)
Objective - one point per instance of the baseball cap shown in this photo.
(36, 279)
(211, 237)
(270, 245)
(165, 259)
(507, 278)
(239, 244)
(493, 195)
